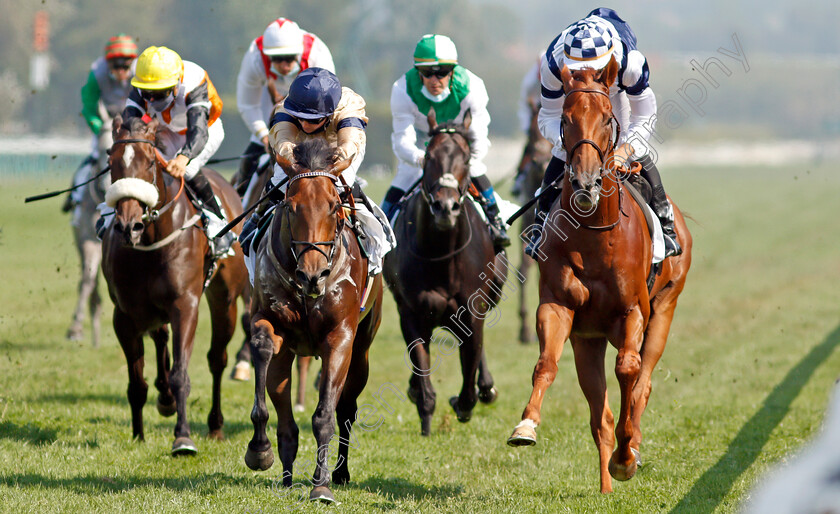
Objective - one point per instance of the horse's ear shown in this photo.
(116, 125)
(566, 78)
(608, 75)
(467, 119)
(432, 119)
(338, 167)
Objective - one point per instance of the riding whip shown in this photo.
(56, 193)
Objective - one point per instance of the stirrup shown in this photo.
(672, 247)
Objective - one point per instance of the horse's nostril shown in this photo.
(325, 273)
(137, 227)
(302, 277)
(456, 206)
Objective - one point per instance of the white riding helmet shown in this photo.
(283, 37)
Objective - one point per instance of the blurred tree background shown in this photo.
(790, 89)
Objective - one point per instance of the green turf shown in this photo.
(744, 382)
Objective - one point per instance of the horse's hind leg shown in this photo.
(263, 342)
(131, 341)
(357, 378)
(656, 335)
(487, 392)
(222, 305)
(278, 383)
(525, 335)
(242, 369)
(76, 330)
(303, 369)
(165, 401)
(589, 364)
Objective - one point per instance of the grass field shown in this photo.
(744, 381)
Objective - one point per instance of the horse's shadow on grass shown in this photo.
(203, 483)
(27, 433)
(74, 399)
(393, 488)
(710, 489)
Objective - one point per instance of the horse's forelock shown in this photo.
(450, 127)
(313, 154)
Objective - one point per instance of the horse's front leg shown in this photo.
(525, 335)
(417, 335)
(165, 401)
(264, 341)
(184, 318)
(278, 383)
(337, 354)
(131, 340)
(471, 352)
(627, 337)
(303, 370)
(554, 324)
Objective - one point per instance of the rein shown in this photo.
(152, 214)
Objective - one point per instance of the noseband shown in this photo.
(314, 245)
(613, 138)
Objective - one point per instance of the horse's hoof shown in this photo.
(183, 446)
(216, 435)
(299, 407)
(488, 396)
(426, 426)
(322, 494)
(166, 410)
(259, 461)
(621, 472)
(341, 476)
(463, 417)
(638, 457)
(74, 334)
(525, 434)
(241, 372)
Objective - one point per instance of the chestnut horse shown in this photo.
(444, 272)
(242, 369)
(535, 158)
(312, 296)
(155, 261)
(594, 263)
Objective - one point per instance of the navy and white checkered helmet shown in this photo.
(590, 43)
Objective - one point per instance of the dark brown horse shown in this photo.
(312, 296)
(444, 273)
(535, 158)
(242, 369)
(155, 261)
(594, 265)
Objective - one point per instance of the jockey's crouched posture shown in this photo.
(318, 107)
(181, 96)
(438, 81)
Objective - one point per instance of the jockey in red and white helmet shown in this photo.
(269, 67)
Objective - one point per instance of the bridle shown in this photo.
(314, 245)
(447, 180)
(151, 213)
(614, 136)
(616, 133)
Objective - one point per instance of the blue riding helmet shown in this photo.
(313, 95)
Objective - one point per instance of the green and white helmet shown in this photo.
(435, 50)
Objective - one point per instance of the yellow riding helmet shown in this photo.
(158, 67)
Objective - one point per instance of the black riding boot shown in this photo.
(211, 215)
(391, 201)
(551, 185)
(660, 205)
(247, 166)
(491, 209)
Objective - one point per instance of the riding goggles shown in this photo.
(440, 72)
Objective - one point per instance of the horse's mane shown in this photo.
(313, 154)
(451, 127)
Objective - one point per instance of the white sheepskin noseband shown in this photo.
(448, 180)
(131, 187)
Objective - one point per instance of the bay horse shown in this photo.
(155, 261)
(594, 264)
(312, 297)
(242, 369)
(535, 157)
(444, 272)
(89, 248)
